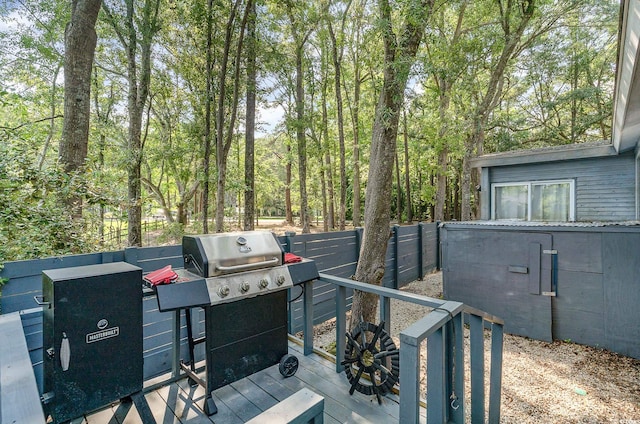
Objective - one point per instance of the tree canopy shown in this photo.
(173, 85)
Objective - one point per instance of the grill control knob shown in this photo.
(263, 283)
(280, 281)
(244, 286)
(223, 291)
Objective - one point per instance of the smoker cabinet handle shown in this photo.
(248, 266)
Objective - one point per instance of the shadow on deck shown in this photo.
(243, 400)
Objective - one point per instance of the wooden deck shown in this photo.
(244, 399)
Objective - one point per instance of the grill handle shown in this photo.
(242, 267)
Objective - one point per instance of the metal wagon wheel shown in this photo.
(377, 356)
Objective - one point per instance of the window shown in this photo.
(534, 201)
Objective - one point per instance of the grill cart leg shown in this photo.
(210, 407)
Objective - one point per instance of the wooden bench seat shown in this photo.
(19, 397)
(302, 407)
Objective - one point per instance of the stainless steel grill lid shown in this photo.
(212, 255)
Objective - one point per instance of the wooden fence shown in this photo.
(412, 253)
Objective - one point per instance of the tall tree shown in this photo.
(226, 107)
(136, 32)
(300, 37)
(80, 44)
(208, 104)
(336, 54)
(407, 179)
(451, 66)
(327, 168)
(515, 18)
(399, 55)
(250, 121)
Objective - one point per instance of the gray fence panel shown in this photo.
(430, 247)
(26, 277)
(335, 253)
(408, 254)
(153, 258)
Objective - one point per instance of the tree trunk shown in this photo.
(398, 190)
(443, 155)
(327, 169)
(407, 181)
(287, 188)
(337, 66)
(302, 142)
(249, 161)
(445, 84)
(138, 91)
(80, 44)
(323, 191)
(206, 160)
(357, 204)
(398, 59)
(221, 158)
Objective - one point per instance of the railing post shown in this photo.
(410, 378)
(341, 325)
(456, 369)
(308, 318)
(495, 378)
(476, 339)
(385, 312)
(436, 376)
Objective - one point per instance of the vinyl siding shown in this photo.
(605, 186)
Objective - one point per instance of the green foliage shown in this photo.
(172, 234)
(33, 223)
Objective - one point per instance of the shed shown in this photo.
(557, 250)
(577, 182)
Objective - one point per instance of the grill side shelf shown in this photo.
(182, 295)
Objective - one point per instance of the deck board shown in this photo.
(181, 403)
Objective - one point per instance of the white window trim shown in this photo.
(572, 195)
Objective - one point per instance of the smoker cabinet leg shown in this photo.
(210, 407)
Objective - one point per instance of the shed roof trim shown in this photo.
(626, 114)
(546, 154)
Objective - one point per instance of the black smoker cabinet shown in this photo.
(92, 337)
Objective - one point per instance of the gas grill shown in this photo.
(241, 281)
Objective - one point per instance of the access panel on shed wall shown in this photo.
(507, 274)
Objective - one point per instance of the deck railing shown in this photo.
(443, 329)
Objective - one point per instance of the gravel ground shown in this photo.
(542, 382)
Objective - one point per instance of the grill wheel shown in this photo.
(371, 351)
(288, 365)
